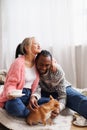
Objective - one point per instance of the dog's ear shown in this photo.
(51, 97)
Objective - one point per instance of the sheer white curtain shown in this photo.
(59, 25)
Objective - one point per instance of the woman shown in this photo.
(23, 76)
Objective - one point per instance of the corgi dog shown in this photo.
(42, 114)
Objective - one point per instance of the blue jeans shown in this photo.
(76, 101)
(45, 97)
(17, 107)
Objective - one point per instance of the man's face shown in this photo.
(43, 64)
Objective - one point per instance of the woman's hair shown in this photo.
(44, 53)
(18, 51)
(21, 48)
(25, 43)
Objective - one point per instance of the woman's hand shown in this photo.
(54, 64)
(10, 97)
(33, 103)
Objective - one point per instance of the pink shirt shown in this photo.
(16, 79)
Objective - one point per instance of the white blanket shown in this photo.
(62, 122)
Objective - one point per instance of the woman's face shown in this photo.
(35, 47)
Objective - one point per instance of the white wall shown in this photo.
(57, 24)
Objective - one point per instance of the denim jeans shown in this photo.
(45, 97)
(17, 107)
(76, 101)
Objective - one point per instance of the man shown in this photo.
(53, 82)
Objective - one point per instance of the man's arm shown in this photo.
(37, 93)
(33, 103)
(62, 96)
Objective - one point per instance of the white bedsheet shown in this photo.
(62, 122)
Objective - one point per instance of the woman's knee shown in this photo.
(16, 108)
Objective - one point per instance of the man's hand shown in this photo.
(33, 103)
(55, 113)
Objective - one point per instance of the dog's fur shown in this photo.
(43, 112)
